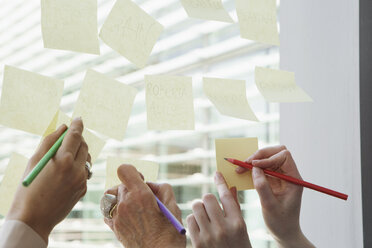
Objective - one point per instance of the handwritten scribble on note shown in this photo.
(169, 102)
(279, 86)
(105, 104)
(131, 32)
(258, 21)
(229, 97)
(70, 25)
(207, 10)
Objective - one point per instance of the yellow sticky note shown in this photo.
(237, 148)
(29, 101)
(105, 104)
(229, 97)
(148, 169)
(70, 25)
(207, 10)
(257, 20)
(52, 126)
(131, 32)
(11, 180)
(279, 86)
(169, 102)
(95, 144)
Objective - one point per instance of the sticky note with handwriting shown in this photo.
(148, 169)
(11, 180)
(29, 101)
(131, 32)
(229, 97)
(95, 143)
(105, 104)
(207, 10)
(257, 20)
(237, 148)
(279, 86)
(169, 101)
(70, 25)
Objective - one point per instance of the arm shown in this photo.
(137, 220)
(280, 200)
(59, 186)
(210, 226)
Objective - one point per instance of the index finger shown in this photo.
(73, 139)
(266, 153)
(261, 154)
(227, 199)
(130, 177)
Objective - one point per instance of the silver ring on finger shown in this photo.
(108, 205)
(88, 167)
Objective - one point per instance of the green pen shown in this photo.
(50, 154)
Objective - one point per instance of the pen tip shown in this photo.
(226, 159)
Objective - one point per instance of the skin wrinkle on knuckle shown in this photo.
(238, 226)
(226, 195)
(76, 134)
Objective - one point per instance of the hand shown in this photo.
(137, 220)
(280, 200)
(58, 187)
(209, 226)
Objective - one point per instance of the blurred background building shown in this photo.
(188, 47)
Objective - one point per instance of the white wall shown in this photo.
(320, 43)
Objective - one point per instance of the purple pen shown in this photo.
(171, 217)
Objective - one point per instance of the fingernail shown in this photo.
(255, 162)
(77, 118)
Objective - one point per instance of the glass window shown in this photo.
(188, 47)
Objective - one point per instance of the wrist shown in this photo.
(42, 230)
(169, 241)
(296, 240)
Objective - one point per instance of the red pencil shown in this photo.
(291, 179)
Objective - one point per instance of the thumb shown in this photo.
(130, 177)
(267, 198)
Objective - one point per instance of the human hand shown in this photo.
(280, 200)
(210, 226)
(137, 220)
(58, 187)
